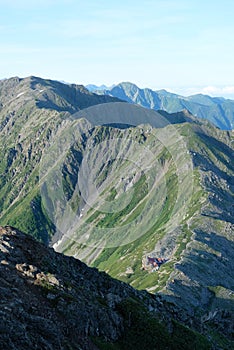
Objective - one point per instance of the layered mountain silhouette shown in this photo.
(218, 110)
(114, 184)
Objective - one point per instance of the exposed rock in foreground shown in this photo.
(50, 301)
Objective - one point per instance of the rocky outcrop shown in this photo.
(50, 301)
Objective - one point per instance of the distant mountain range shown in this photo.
(218, 110)
(93, 87)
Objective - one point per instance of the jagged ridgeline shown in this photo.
(114, 184)
(218, 110)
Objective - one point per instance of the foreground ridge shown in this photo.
(50, 301)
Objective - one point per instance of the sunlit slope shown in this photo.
(32, 111)
(175, 212)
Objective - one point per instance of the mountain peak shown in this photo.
(128, 84)
(218, 111)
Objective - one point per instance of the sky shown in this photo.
(185, 46)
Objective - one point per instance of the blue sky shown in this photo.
(182, 45)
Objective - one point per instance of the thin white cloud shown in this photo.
(218, 91)
(214, 91)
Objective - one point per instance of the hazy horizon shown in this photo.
(213, 91)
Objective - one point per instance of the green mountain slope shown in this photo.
(219, 111)
(113, 184)
(32, 109)
(192, 228)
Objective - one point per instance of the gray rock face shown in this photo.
(50, 301)
(55, 299)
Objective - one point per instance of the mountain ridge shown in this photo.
(218, 110)
(52, 301)
(71, 93)
(190, 207)
(31, 110)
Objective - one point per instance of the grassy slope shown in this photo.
(209, 210)
(32, 109)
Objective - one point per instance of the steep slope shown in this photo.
(31, 109)
(219, 111)
(49, 301)
(121, 186)
(183, 217)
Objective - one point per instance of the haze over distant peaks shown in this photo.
(218, 110)
(93, 87)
